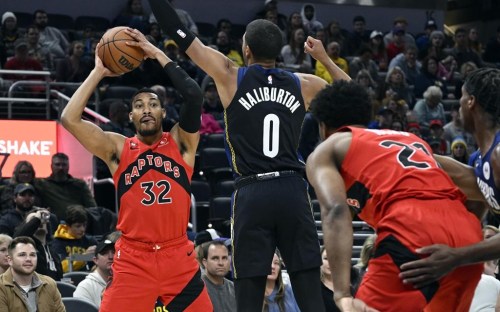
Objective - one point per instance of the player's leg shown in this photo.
(130, 289)
(249, 293)
(179, 279)
(298, 242)
(253, 244)
(306, 290)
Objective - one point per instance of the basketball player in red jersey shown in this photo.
(391, 180)
(152, 173)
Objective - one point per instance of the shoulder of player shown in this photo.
(495, 161)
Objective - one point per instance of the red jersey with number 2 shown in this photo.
(382, 167)
(153, 189)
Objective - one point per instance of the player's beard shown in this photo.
(148, 132)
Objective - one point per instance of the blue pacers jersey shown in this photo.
(264, 121)
(484, 176)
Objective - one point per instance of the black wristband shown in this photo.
(190, 112)
(171, 24)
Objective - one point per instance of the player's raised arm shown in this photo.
(102, 144)
(214, 63)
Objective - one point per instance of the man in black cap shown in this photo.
(24, 199)
(93, 285)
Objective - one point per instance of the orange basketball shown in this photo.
(116, 55)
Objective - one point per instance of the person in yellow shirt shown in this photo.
(333, 51)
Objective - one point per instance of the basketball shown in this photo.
(115, 54)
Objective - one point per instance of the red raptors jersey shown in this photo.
(384, 166)
(153, 189)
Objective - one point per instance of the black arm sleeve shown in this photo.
(171, 24)
(190, 114)
(28, 228)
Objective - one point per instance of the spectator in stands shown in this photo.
(334, 32)
(21, 288)
(399, 23)
(309, 20)
(93, 285)
(294, 57)
(397, 44)
(36, 50)
(223, 44)
(327, 288)
(60, 189)
(333, 51)
(211, 101)
(70, 239)
(465, 70)
(383, 119)
(168, 97)
(24, 199)
(272, 5)
(459, 150)
(455, 128)
(74, 67)
(379, 52)
(226, 25)
(364, 60)
(428, 76)
(186, 19)
(395, 81)
(23, 173)
(202, 238)
(365, 79)
(37, 226)
(407, 61)
(430, 108)
(422, 40)
(359, 36)
(171, 49)
(118, 119)
(435, 48)
(461, 51)
(209, 124)
(4, 245)
(272, 16)
(50, 37)
(436, 137)
(133, 16)
(220, 289)
(9, 33)
(413, 127)
(492, 49)
(278, 295)
(155, 32)
(474, 42)
(294, 22)
(88, 36)
(22, 61)
(398, 106)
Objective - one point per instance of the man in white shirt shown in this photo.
(93, 285)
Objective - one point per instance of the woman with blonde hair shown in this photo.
(367, 252)
(4, 244)
(278, 295)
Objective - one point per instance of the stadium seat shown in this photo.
(61, 21)
(76, 277)
(78, 305)
(237, 30)
(212, 140)
(24, 19)
(119, 92)
(201, 191)
(224, 188)
(220, 208)
(206, 30)
(66, 289)
(214, 165)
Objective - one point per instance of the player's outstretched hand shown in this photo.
(150, 50)
(442, 259)
(349, 304)
(315, 48)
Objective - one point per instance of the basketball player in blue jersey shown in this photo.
(480, 112)
(264, 110)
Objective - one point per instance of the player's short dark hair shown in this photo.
(484, 85)
(264, 39)
(20, 240)
(342, 103)
(76, 214)
(144, 90)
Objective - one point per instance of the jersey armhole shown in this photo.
(241, 73)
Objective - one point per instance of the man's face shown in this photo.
(147, 114)
(309, 12)
(464, 112)
(359, 26)
(77, 229)
(60, 167)
(25, 200)
(23, 259)
(104, 260)
(217, 261)
(41, 20)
